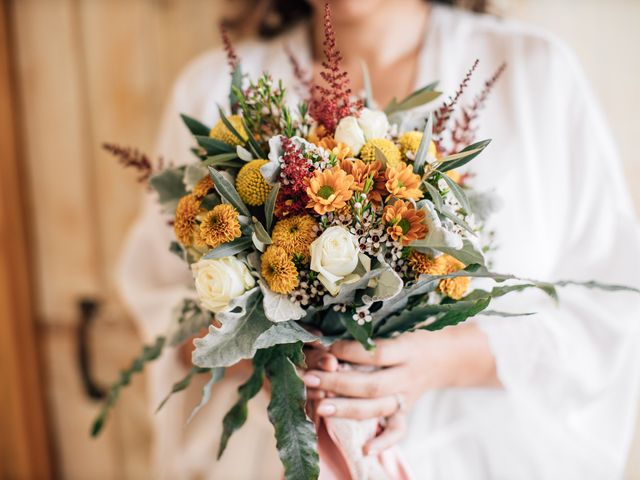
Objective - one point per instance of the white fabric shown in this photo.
(570, 372)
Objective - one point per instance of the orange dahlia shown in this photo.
(404, 223)
(329, 190)
(220, 225)
(402, 182)
(185, 223)
(296, 234)
(361, 172)
(279, 270)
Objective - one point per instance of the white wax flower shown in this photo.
(374, 123)
(335, 256)
(220, 280)
(349, 132)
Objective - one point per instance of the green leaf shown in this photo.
(149, 353)
(457, 192)
(254, 146)
(362, 333)
(236, 81)
(230, 248)
(224, 160)
(415, 99)
(261, 233)
(284, 332)
(423, 148)
(194, 126)
(213, 146)
(369, 101)
(469, 254)
(216, 376)
(296, 438)
(236, 339)
(170, 187)
(182, 384)
(270, 204)
(380, 156)
(434, 194)
(228, 192)
(457, 220)
(457, 316)
(598, 286)
(463, 157)
(188, 319)
(237, 415)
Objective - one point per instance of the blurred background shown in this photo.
(75, 73)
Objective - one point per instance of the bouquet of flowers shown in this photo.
(319, 223)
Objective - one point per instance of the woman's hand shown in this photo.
(408, 366)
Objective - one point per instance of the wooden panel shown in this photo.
(24, 449)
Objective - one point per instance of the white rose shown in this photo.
(349, 132)
(220, 280)
(335, 256)
(374, 123)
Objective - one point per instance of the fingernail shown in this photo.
(311, 380)
(326, 409)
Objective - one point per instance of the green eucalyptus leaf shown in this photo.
(148, 354)
(237, 415)
(195, 126)
(228, 191)
(228, 249)
(296, 437)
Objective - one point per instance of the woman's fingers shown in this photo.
(358, 408)
(387, 352)
(357, 384)
(321, 360)
(314, 394)
(393, 433)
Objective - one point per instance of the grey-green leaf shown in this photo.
(458, 192)
(182, 384)
(228, 191)
(230, 248)
(423, 148)
(270, 204)
(216, 376)
(213, 146)
(195, 127)
(463, 157)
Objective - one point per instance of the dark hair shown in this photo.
(269, 18)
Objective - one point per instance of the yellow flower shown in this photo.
(454, 288)
(404, 223)
(185, 222)
(339, 149)
(222, 133)
(220, 225)
(279, 270)
(422, 263)
(361, 172)
(251, 185)
(391, 152)
(203, 187)
(409, 143)
(455, 176)
(329, 190)
(403, 183)
(295, 234)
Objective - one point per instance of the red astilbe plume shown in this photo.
(133, 158)
(232, 57)
(443, 114)
(464, 130)
(295, 170)
(332, 102)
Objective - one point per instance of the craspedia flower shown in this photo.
(452, 287)
(222, 133)
(387, 147)
(185, 224)
(410, 142)
(329, 190)
(203, 187)
(296, 234)
(220, 225)
(279, 270)
(404, 223)
(422, 263)
(402, 182)
(251, 185)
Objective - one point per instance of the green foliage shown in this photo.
(228, 191)
(216, 376)
(230, 248)
(296, 438)
(195, 126)
(236, 86)
(182, 384)
(149, 353)
(270, 205)
(169, 186)
(213, 146)
(463, 157)
(362, 333)
(188, 319)
(423, 149)
(417, 98)
(458, 192)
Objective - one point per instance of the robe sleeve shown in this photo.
(578, 361)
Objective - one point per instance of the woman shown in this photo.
(546, 396)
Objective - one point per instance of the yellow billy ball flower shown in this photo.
(222, 133)
(279, 270)
(251, 185)
(410, 142)
(296, 234)
(387, 147)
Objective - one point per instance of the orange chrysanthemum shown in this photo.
(402, 182)
(329, 190)
(279, 270)
(404, 223)
(361, 172)
(296, 234)
(422, 263)
(339, 149)
(452, 287)
(185, 224)
(203, 187)
(220, 225)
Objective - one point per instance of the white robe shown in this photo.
(570, 373)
